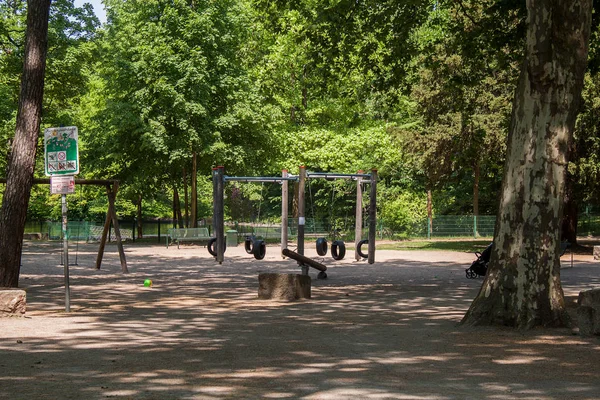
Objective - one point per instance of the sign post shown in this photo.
(61, 159)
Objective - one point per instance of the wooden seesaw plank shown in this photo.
(303, 259)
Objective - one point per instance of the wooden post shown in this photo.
(104, 232)
(284, 210)
(372, 216)
(112, 195)
(218, 212)
(111, 215)
(301, 219)
(358, 219)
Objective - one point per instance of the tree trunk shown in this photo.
(522, 287)
(186, 199)
(476, 179)
(140, 232)
(429, 213)
(569, 222)
(19, 177)
(194, 216)
(177, 207)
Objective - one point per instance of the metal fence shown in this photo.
(441, 226)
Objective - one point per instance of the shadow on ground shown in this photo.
(383, 331)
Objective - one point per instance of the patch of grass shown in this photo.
(467, 246)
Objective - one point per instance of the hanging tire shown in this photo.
(249, 244)
(359, 249)
(321, 246)
(212, 243)
(338, 250)
(259, 249)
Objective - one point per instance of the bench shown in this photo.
(187, 235)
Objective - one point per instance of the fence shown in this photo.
(441, 226)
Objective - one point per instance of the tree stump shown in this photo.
(588, 313)
(12, 302)
(288, 287)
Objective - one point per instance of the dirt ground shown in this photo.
(383, 331)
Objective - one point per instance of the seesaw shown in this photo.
(303, 260)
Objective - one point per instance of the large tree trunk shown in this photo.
(186, 199)
(476, 179)
(522, 287)
(194, 188)
(19, 177)
(569, 222)
(140, 231)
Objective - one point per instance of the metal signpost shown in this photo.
(61, 159)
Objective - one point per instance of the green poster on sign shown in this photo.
(61, 151)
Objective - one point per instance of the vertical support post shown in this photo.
(66, 253)
(218, 212)
(474, 226)
(372, 216)
(284, 210)
(112, 195)
(358, 219)
(301, 218)
(159, 231)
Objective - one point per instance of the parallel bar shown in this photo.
(327, 175)
(278, 179)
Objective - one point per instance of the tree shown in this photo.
(19, 177)
(522, 287)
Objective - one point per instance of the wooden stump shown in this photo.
(588, 313)
(286, 287)
(12, 302)
(596, 252)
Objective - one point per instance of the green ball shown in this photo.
(148, 283)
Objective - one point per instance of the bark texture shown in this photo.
(19, 176)
(522, 287)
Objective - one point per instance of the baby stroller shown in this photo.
(479, 266)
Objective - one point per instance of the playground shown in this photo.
(388, 330)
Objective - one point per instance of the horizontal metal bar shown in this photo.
(259, 179)
(327, 175)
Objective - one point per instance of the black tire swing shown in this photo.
(212, 244)
(359, 248)
(252, 244)
(338, 247)
(321, 246)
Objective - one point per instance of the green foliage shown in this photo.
(404, 212)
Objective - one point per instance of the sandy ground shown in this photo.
(383, 331)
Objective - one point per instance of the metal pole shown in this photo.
(218, 215)
(358, 222)
(372, 216)
(66, 253)
(284, 210)
(301, 219)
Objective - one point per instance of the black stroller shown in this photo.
(479, 266)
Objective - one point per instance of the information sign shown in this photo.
(62, 184)
(61, 151)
